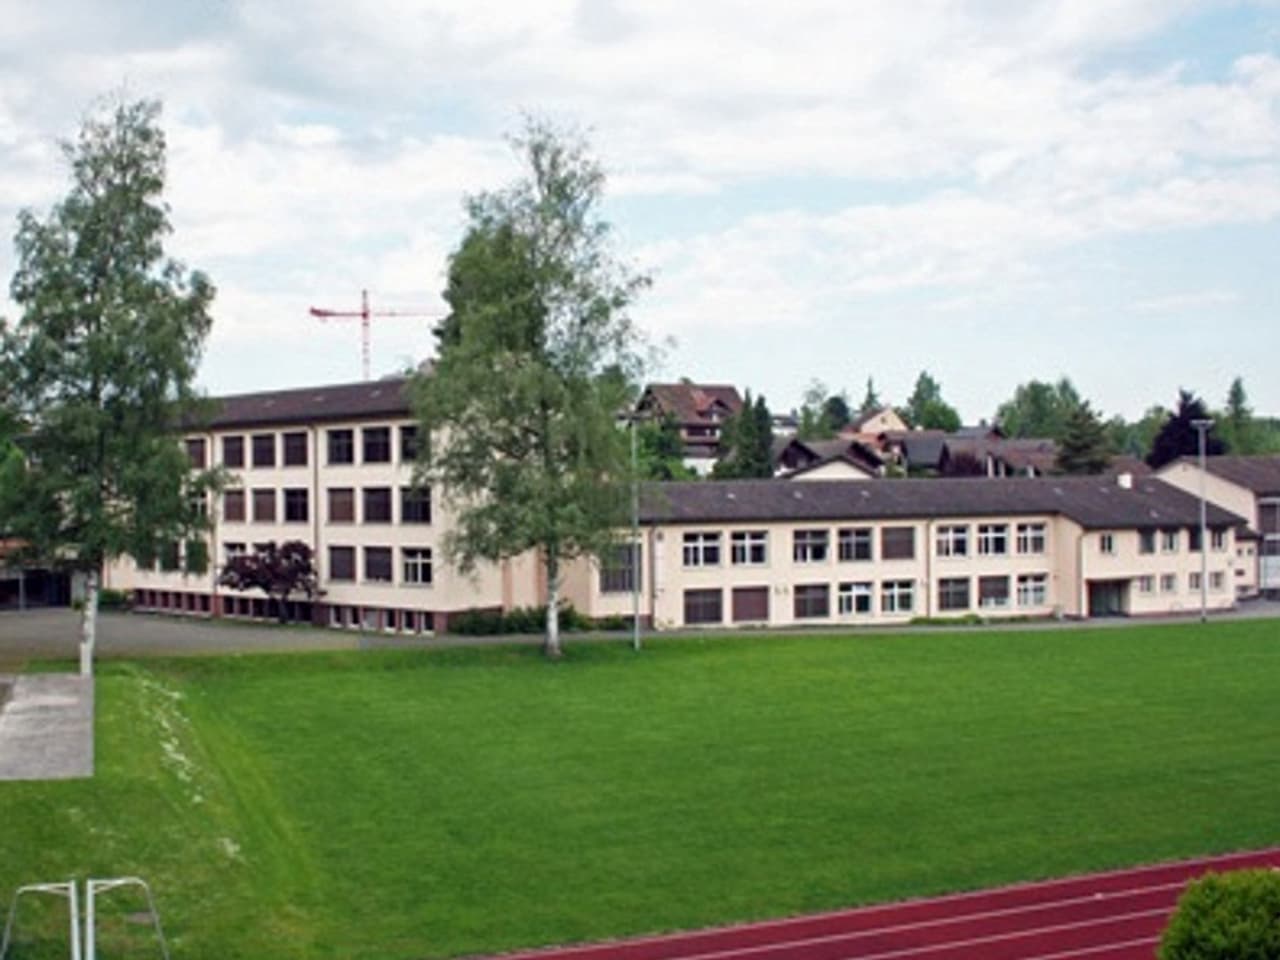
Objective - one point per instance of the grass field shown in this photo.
(418, 804)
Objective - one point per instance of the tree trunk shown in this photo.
(280, 608)
(89, 624)
(552, 646)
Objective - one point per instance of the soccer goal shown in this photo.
(85, 948)
(66, 889)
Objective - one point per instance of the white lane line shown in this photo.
(1084, 952)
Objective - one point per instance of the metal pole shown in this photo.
(636, 565)
(1202, 427)
(364, 333)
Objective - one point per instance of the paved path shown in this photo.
(46, 727)
(1107, 916)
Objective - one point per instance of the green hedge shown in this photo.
(1226, 916)
(487, 623)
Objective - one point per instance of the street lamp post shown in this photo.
(1202, 426)
(635, 541)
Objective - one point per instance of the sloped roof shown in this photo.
(343, 401)
(920, 447)
(1259, 474)
(1092, 502)
(692, 402)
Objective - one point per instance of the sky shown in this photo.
(821, 190)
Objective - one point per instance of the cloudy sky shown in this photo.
(829, 189)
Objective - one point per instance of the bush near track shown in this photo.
(1226, 916)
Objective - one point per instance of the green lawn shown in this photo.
(417, 804)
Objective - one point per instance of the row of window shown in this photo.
(1169, 583)
(993, 592)
(386, 620)
(993, 539)
(376, 503)
(1169, 540)
(290, 448)
(415, 565)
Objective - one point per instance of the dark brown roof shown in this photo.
(692, 402)
(1259, 474)
(344, 401)
(1092, 502)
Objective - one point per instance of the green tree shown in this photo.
(748, 442)
(814, 422)
(836, 413)
(660, 451)
(870, 400)
(1083, 447)
(1178, 436)
(100, 363)
(1038, 409)
(522, 402)
(926, 409)
(1239, 430)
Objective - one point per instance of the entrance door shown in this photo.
(1108, 598)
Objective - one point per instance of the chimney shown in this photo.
(1125, 480)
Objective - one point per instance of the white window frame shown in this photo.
(893, 593)
(989, 536)
(1032, 538)
(416, 564)
(952, 540)
(848, 595)
(1032, 589)
(1217, 581)
(701, 548)
(853, 537)
(1168, 583)
(749, 548)
(1218, 541)
(811, 545)
(1146, 584)
(1107, 544)
(1170, 540)
(1194, 581)
(985, 603)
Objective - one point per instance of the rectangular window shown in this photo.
(1146, 584)
(953, 593)
(1169, 541)
(295, 449)
(342, 446)
(812, 600)
(952, 540)
(1217, 581)
(619, 568)
(897, 596)
(854, 544)
(809, 546)
(1107, 543)
(993, 592)
(1193, 539)
(170, 555)
(1168, 583)
(415, 504)
(1146, 541)
(749, 548)
(342, 563)
(408, 443)
(1218, 540)
(264, 449)
(377, 444)
(1031, 538)
(703, 606)
(196, 453)
(377, 504)
(377, 564)
(750, 604)
(264, 506)
(233, 452)
(993, 539)
(1033, 589)
(853, 599)
(1193, 582)
(701, 550)
(898, 543)
(342, 505)
(416, 565)
(296, 505)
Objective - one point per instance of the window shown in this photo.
(749, 548)
(1217, 581)
(993, 539)
(619, 569)
(199, 502)
(953, 593)
(296, 505)
(812, 600)
(952, 541)
(342, 505)
(377, 505)
(342, 447)
(750, 604)
(1193, 582)
(377, 564)
(1107, 543)
(196, 453)
(295, 449)
(1218, 540)
(377, 444)
(196, 556)
(1146, 541)
(809, 546)
(1146, 584)
(408, 443)
(1169, 541)
(993, 592)
(898, 543)
(264, 506)
(853, 598)
(703, 606)
(264, 449)
(1193, 539)
(1168, 583)
(1033, 589)
(232, 550)
(701, 550)
(169, 556)
(233, 451)
(897, 596)
(854, 543)
(1031, 538)
(415, 504)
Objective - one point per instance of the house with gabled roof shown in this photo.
(699, 410)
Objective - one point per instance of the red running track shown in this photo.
(1105, 916)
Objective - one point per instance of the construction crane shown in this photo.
(364, 313)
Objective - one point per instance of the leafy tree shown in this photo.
(522, 402)
(1135, 439)
(870, 400)
(1241, 432)
(1083, 447)
(1178, 438)
(748, 442)
(101, 362)
(1038, 409)
(836, 413)
(660, 451)
(926, 409)
(278, 571)
(814, 422)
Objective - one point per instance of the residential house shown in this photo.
(841, 458)
(699, 410)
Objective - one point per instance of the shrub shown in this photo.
(488, 623)
(1226, 916)
(113, 599)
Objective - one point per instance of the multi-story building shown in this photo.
(699, 410)
(780, 553)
